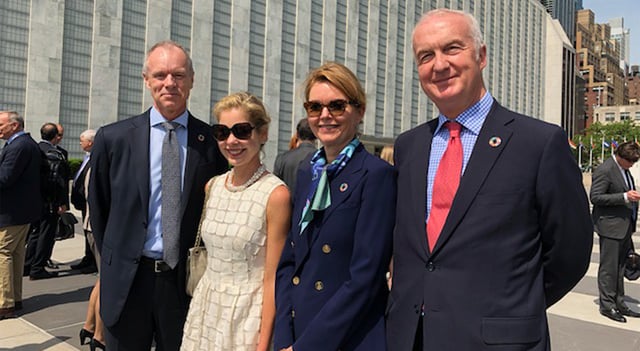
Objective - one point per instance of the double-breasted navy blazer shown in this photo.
(20, 199)
(518, 237)
(330, 287)
(119, 201)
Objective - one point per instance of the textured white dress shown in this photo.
(227, 303)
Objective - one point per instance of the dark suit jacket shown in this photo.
(330, 286)
(517, 239)
(612, 216)
(78, 198)
(287, 164)
(119, 201)
(20, 201)
(61, 193)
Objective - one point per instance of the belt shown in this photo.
(158, 266)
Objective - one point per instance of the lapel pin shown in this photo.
(495, 141)
(344, 187)
(200, 137)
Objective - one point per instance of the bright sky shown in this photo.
(629, 10)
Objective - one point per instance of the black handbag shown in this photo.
(66, 226)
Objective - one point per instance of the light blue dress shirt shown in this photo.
(153, 242)
(471, 120)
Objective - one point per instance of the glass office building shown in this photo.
(79, 62)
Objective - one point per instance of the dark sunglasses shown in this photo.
(336, 107)
(240, 130)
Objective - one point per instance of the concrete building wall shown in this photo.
(267, 47)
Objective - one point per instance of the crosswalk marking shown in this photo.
(585, 308)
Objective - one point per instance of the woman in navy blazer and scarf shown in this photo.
(330, 287)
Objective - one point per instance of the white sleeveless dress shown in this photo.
(226, 306)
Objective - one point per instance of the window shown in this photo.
(625, 116)
(609, 116)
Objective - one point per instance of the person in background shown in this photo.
(58, 139)
(55, 194)
(20, 205)
(287, 164)
(88, 263)
(331, 289)
(493, 222)
(146, 191)
(387, 154)
(615, 212)
(233, 305)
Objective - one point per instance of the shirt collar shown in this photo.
(155, 118)
(14, 136)
(473, 117)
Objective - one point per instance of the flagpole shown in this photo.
(591, 154)
(580, 153)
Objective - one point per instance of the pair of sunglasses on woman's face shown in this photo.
(336, 107)
(241, 131)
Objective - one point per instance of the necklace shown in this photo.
(254, 178)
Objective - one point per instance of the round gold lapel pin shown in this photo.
(344, 187)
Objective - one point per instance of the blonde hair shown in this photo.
(248, 103)
(387, 153)
(340, 77)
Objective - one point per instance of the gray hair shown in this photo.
(168, 44)
(88, 134)
(474, 26)
(14, 116)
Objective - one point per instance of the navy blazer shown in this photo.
(20, 200)
(518, 237)
(330, 286)
(119, 201)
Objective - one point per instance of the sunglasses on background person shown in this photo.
(241, 131)
(336, 107)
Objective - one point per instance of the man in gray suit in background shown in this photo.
(287, 163)
(615, 209)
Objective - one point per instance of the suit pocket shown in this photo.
(512, 330)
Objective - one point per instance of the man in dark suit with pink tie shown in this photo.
(493, 222)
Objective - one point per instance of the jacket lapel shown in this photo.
(139, 136)
(418, 164)
(195, 145)
(483, 157)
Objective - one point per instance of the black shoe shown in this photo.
(613, 314)
(82, 264)
(18, 305)
(8, 312)
(89, 269)
(626, 311)
(25, 271)
(42, 275)
(85, 336)
(95, 344)
(51, 265)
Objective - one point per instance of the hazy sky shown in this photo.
(629, 10)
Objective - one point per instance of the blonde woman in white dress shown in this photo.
(244, 227)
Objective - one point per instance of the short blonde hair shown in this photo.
(340, 77)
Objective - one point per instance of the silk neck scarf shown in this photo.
(319, 197)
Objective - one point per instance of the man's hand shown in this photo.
(633, 195)
(63, 208)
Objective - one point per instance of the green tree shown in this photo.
(592, 141)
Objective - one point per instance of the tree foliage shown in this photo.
(591, 144)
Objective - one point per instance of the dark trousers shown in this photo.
(417, 343)
(154, 310)
(613, 253)
(40, 243)
(88, 254)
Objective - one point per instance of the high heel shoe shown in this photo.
(95, 344)
(84, 335)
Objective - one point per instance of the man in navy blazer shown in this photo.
(20, 204)
(517, 236)
(142, 296)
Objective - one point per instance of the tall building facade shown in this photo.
(633, 84)
(598, 62)
(565, 12)
(79, 62)
(622, 37)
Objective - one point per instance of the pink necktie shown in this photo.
(445, 184)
